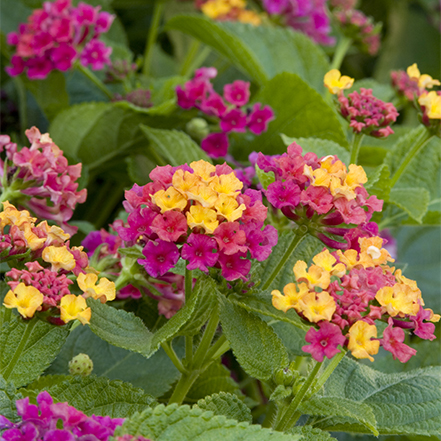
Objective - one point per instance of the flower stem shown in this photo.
(95, 80)
(191, 54)
(299, 236)
(419, 145)
(355, 147)
(168, 349)
(183, 386)
(342, 48)
(207, 338)
(152, 35)
(188, 284)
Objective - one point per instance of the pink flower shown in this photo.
(63, 56)
(215, 144)
(259, 119)
(283, 194)
(39, 68)
(214, 105)
(230, 238)
(95, 53)
(234, 267)
(160, 256)
(234, 120)
(201, 252)
(170, 226)
(237, 93)
(393, 342)
(324, 342)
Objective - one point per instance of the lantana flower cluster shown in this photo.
(56, 36)
(103, 250)
(307, 16)
(355, 25)
(346, 293)
(197, 213)
(228, 109)
(39, 178)
(56, 422)
(229, 10)
(365, 113)
(321, 194)
(48, 265)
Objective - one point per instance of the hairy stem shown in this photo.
(95, 80)
(152, 35)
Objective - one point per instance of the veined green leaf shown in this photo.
(8, 397)
(413, 200)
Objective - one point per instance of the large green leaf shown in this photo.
(228, 405)
(405, 403)
(310, 433)
(254, 343)
(154, 375)
(180, 423)
(300, 112)
(28, 347)
(8, 397)
(176, 147)
(251, 48)
(93, 395)
(413, 200)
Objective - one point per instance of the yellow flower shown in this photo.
(360, 343)
(203, 169)
(335, 82)
(247, 16)
(327, 261)
(371, 247)
(26, 299)
(205, 218)
(229, 208)
(203, 194)
(216, 8)
(317, 306)
(170, 199)
(59, 257)
(424, 81)
(11, 216)
(433, 317)
(34, 242)
(432, 102)
(184, 180)
(55, 235)
(227, 184)
(291, 298)
(105, 290)
(351, 258)
(316, 275)
(74, 307)
(398, 300)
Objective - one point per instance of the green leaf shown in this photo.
(139, 167)
(251, 48)
(254, 343)
(310, 433)
(50, 93)
(8, 397)
(321, 147)
(379, 182)
(180, 423)
(176, 147)
(305, 115)
(413, 200)
(28, 347)
(342, 408)
(216, 379)
(292, 336)
(154, 375)
(226, 404)
(403, 404)
(93, 395)
(265, 178)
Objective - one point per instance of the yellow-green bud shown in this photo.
(197, 128)
(81, 364)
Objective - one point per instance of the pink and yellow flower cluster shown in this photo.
(229, 10)
(321, 194)
(345, 293)
(197, 213)
(51, 264)
(40, 179)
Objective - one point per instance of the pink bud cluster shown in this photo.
(229, 109)
(119, 70)
(138, 97)
(314, 192)
(307, 16)
(40, 178)
(197, 213)
(405, 86)
(57, 35)
(360, 28)
(56, 422)
(367, 114)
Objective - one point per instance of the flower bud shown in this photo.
(81, 364)
(197, 128)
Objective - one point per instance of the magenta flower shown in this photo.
(95, 53)
(424, 330)
(324, 342)
(200, 251)
(160, 256)
(237, 93)
(283, 194)
(63, 56)
(230, 238)
(214, 106)
(234, 267)
(39, 68)
(234, 121)
(260, 242)
(215, 144)
(170, 226)
(259, 119)
(393, 342)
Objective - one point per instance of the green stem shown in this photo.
(219, 348)
(290, 416)
(419, 145)
(199, 59)
(168, 349)
(191, 54)
(18, 352)
(188, 284)
(299, 236)
(10, 194)
(152, 35)
(188, 350)
(342, 48)
(183, 386)
(202, 351)
(355, 147)
(95, 80)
